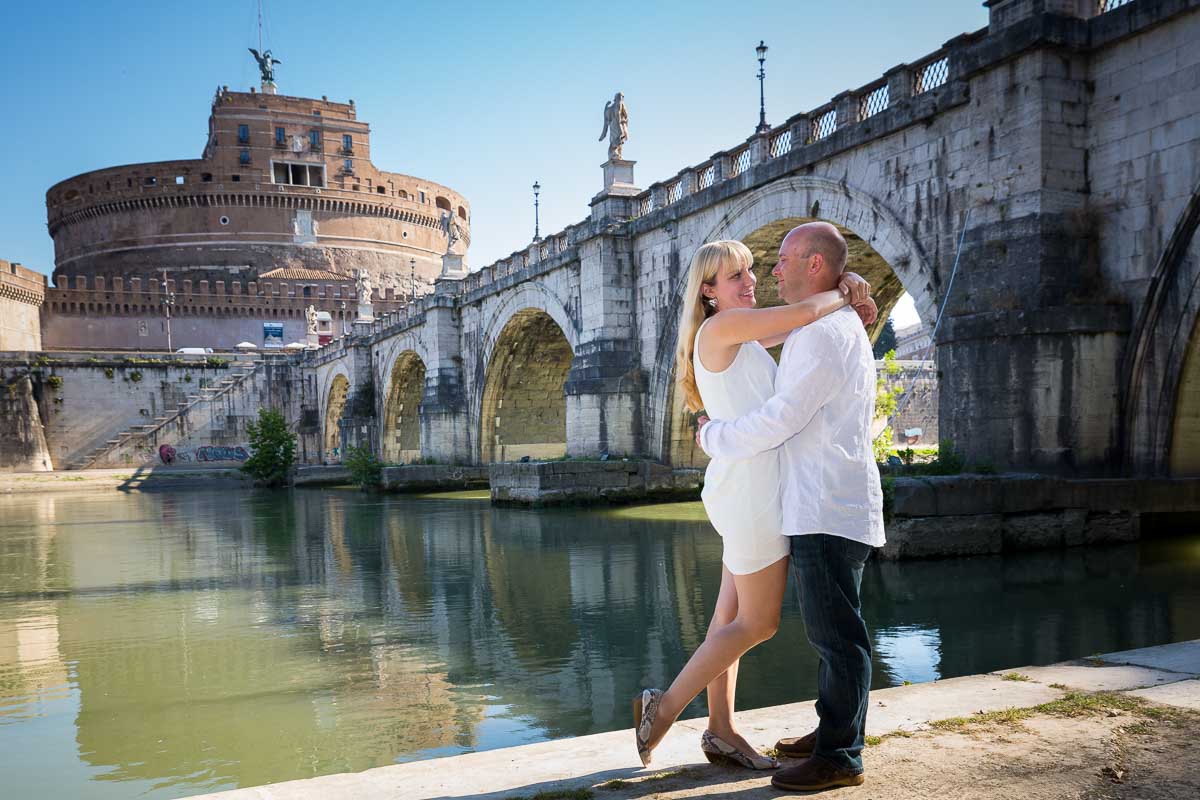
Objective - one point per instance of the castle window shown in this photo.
(422, 197)
(442, 203)
(462, 212)
(180, 180)
(314, 140)
(348, 165)
(244, 156)
(403, 195)
(129, 182)
(347, 143)
(243, 134)
(280, 137)
(206, 177)
(235, 178)
(151, 181)
(381, 190)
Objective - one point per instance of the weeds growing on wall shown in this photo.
(272, 449)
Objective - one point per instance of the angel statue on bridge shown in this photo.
(616, 126)
(266, 64)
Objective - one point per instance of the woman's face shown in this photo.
(733, 289)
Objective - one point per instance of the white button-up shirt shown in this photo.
(821, 414)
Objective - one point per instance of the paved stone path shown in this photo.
(935, 739)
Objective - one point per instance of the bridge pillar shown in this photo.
(445, 424)
(358, 425)
(606, 384)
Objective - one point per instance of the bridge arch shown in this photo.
(1162, 367)
(335, 395)
(401, 424)
(523, 409)
(774, 209)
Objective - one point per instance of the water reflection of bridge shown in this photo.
(358, 628)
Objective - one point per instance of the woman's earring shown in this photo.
(712, 301)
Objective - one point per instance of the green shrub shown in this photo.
(365, 469)
(54, 382)
(135, 376)
(108, 372)
(273, 449)
(216, 362)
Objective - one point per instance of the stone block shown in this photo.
(931, 537)
(1042, 530)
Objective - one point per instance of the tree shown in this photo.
(272, 447)
(886, 340)
(365, 469)
(887, 397)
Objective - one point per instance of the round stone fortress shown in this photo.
(283, 183)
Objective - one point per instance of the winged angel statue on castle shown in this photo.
(616, 126)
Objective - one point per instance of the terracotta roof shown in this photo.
(301, 274)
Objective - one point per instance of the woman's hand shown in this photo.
(701, 421)
(855, 287)
(867, 311)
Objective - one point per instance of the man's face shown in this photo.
(793, 269)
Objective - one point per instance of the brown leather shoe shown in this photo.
(797, 747)
(813, 775)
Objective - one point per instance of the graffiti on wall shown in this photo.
(172, 454)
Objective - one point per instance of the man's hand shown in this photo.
(855, 287)
(867, 311)
(701, 421)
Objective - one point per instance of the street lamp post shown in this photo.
(168, 300)
(763, 127)
(412, 280)
(537, 237)
(342, 307)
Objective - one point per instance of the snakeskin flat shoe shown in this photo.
(645, 709)
(719, 751)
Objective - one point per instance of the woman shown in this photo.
(722, 366)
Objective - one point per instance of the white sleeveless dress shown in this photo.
(742, 498)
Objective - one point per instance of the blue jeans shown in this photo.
(828, 571)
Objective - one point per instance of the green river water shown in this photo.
(165, 644)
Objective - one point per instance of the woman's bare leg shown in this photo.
(722, 689)
(760, 598)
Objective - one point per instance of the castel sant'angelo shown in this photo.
(283, 209)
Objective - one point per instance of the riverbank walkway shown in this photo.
(1120, 725)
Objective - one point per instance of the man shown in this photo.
(821, 414)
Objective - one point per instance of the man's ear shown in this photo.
(817, 264)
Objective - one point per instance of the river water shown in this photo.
(166, 644)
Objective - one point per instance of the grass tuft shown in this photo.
(557, 794)
(1015, 676)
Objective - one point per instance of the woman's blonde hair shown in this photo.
(727, 255)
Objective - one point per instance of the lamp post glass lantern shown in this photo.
(761, 50)
(412, 279)
(537, 237)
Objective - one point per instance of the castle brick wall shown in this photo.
(21, 294)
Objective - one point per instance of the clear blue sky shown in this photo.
(484, 97)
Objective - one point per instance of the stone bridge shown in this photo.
(1059, 144)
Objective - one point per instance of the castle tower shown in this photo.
(283, 183)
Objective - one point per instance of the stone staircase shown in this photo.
(239, 373)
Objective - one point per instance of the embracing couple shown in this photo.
(792, 481)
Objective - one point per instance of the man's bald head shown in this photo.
(820, 238)
(812, 258)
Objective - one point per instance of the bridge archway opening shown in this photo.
(1184, 452)
(334, 406)
(919, 414)
(401, 410)
(524, 411)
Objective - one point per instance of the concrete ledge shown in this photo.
(546, 483)
(426, 477)
(961, 515)
(332, 475)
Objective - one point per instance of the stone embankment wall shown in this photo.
(975, 515)
(22, 435)
(84, 400)
(211, 430)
